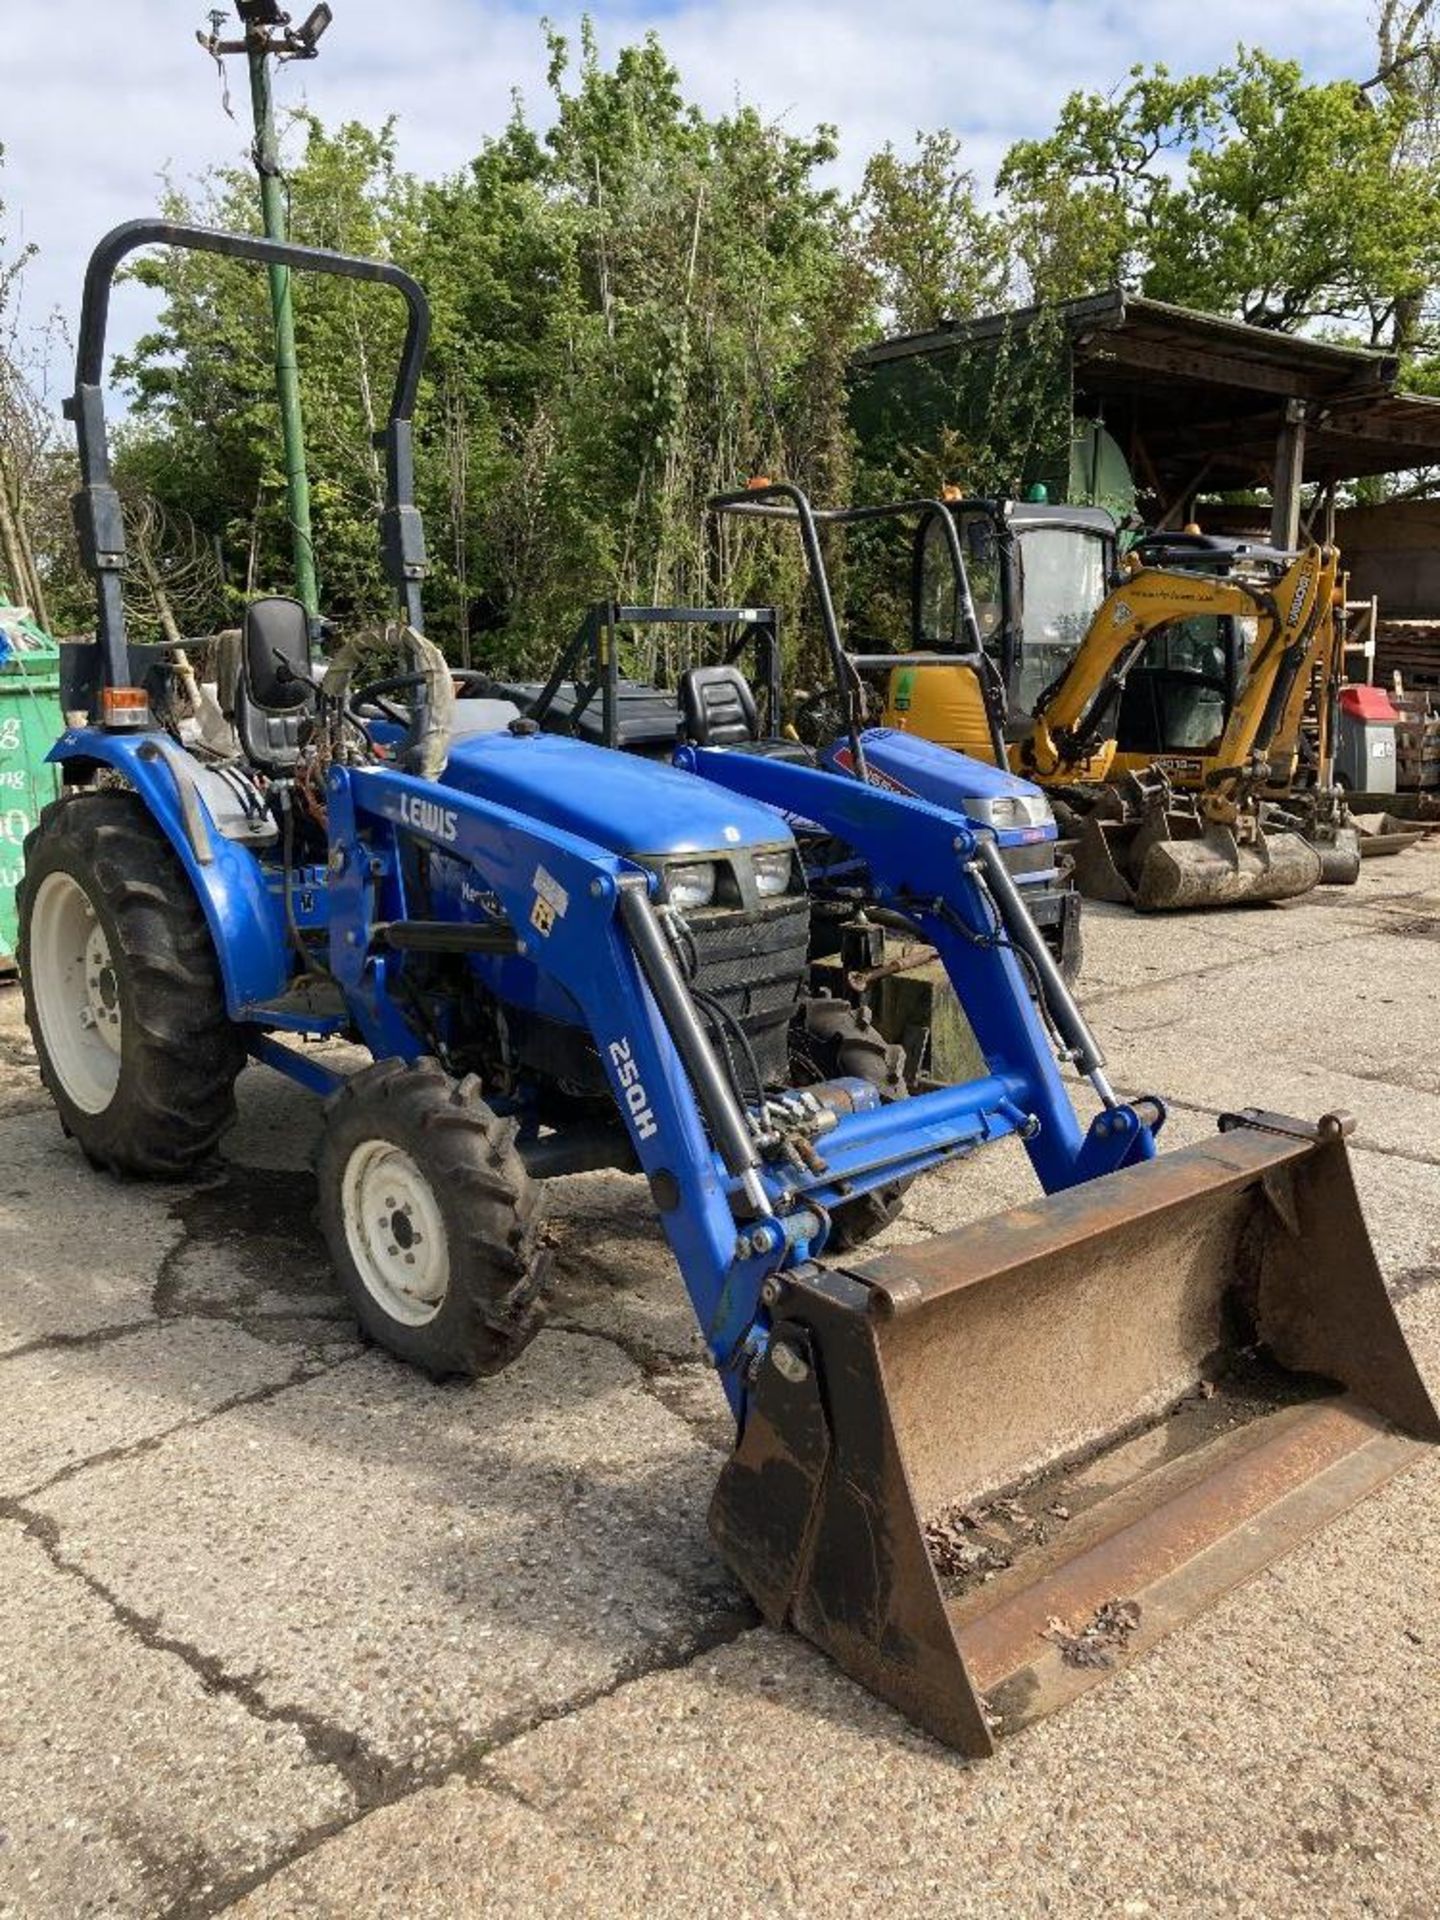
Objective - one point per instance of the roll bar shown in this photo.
(96, 506)
(768, 501)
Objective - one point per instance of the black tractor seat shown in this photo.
(718, 709)
(275, 687)
(645, 717)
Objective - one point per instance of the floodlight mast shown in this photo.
(269, 35)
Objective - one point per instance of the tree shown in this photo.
(1249, 191)
(25, 432)
(1087, 203)
(934, 253)
(632, 312)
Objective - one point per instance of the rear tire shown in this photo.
(123, 994)
(431, 1219)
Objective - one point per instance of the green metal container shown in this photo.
(30, 722)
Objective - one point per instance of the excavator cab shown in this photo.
(1037, 574)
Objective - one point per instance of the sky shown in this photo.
(100, 101)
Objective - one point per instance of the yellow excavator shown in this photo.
(1160, 697)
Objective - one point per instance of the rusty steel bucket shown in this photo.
(983, 1471)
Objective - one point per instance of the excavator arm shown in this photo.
(1066, 739)
(1320, 675)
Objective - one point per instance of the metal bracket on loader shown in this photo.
(1330, 1126)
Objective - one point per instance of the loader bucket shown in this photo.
(1172, 861)
(983, 1471)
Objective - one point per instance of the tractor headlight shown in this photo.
(772, 872)
(1006, 812)
(690, 886)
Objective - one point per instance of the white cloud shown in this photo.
(97, 109)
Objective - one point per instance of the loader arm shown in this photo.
(1066, 737)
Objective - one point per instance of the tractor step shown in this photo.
(314, 1002)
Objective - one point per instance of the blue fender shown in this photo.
(246, 921)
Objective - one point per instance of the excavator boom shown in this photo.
(1140, 842)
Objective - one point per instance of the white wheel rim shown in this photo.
(395, 1232)
(76, 992)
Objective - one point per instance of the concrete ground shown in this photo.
(286, 1630)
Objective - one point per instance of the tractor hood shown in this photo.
(617, 800)
(904, 763)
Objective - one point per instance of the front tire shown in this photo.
(123, 994)
(432, 1221)
(832, 1042)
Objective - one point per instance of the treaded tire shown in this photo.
(180, 1053)
(490, 1208)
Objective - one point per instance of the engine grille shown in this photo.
(754, 964)
(1032, 859)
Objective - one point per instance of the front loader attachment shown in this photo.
(1166, 856)
(982, 1471)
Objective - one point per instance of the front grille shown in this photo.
(1035, 858)
(754, 964)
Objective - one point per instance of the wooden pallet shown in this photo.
(1410, 648)
(1417, 742)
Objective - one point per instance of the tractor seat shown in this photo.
(718, 710)
(275, 688)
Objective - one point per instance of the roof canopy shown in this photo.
(1199, 402)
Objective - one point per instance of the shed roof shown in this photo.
(1198, 399)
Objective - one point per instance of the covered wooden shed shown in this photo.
(1198, 404)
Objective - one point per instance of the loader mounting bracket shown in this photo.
(1330, 1126)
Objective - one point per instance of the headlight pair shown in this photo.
(1005, 811)
(692, 884)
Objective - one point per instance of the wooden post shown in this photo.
(1289, 476)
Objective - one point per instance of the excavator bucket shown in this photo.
(984, 1471)
(1171, 859)
(1322, 821)
(1339, 857)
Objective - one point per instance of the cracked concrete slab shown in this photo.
(1212, 1778)
(65, 1406)
(424, 1566)
(78, 1252)
(614, 1273)
(126, 1784)
(479, 1617)
(1347, 1025)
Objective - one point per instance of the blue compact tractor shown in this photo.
(563, 958)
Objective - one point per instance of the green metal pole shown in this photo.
(287, 374)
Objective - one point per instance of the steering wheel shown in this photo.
(824, 716)
(371, 697)
(374, 695)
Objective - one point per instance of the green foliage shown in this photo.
(1250, 191)
(646, 304)
(934, 253)
(633, 312)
